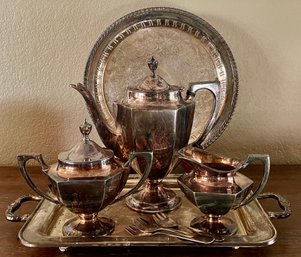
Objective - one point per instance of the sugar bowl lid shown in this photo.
(85, 158)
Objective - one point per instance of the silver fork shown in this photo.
(135, 231)
(166, 222)
(148, 226)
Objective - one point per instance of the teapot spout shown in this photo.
(108, 134)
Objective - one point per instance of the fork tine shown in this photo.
(141, 221)
(132, 230)
(162, 216)
(129, 231)
(157, 218)
(163, 220)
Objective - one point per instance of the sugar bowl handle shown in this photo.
(22, 160)
(265, 159)
(148, 156)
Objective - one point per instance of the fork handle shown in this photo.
(183, 231)
(217, 238)
(174, 231)
(194, 239)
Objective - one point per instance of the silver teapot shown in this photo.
(154, 117)
(85, 180)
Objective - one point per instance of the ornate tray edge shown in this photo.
(42, 240)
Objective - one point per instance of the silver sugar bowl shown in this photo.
(85, 180)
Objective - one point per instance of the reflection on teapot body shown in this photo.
(155, 117)
(85, 180)
(215, 186)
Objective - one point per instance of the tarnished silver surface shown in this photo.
(44, 227)
(85, 196)
(85, 180)
(190, 50)
(155, 117)
(213, 173)
(213, 183)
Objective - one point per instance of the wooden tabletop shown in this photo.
(284, 180)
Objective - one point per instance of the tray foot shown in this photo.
(63, 249)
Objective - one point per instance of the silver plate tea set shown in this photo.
(151, 136)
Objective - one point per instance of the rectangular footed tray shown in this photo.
(44, 226)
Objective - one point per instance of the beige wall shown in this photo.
(44, 46)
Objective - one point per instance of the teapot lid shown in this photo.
(153, 82)
(154, 87)
(86, 153)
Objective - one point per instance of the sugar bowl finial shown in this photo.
(85, 129)
(153, 65)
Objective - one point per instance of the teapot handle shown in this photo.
(265, 159)
(22, 160)
(148, 156)
(214, 88)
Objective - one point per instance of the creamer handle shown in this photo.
(265, 159)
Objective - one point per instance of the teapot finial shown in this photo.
(85, 129)
(153, 65)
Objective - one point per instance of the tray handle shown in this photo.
(282, 202)
(13, 207)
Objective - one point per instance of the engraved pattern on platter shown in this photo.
(177, 47)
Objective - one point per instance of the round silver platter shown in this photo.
(187, 48)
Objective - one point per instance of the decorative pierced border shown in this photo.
(174, 18)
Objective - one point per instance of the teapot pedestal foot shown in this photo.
(214, 224)
(88, 225)
(153, 198)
